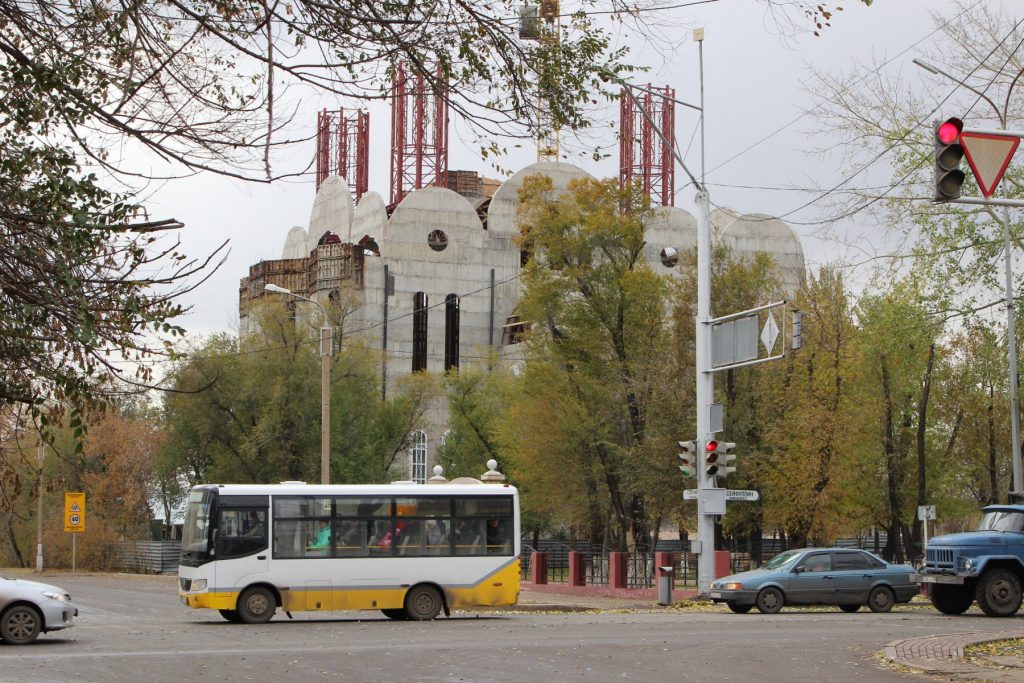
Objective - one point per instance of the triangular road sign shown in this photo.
(989, 156)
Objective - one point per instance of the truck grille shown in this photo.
(940, 560)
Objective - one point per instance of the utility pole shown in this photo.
(705, 383)
(41, 455)
(1011, 332)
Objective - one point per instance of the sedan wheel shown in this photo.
(20, 625)
(881, 599)
(770, 601)
(849, 609)
(738, 608)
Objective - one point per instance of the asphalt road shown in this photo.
(132, 628)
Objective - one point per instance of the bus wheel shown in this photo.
(396, 614)
(256, 605)
(231, 615)
(422, 603)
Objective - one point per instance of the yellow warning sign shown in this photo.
(74, 512)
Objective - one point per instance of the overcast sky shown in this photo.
(754, 75)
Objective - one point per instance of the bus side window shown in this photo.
(469, 537)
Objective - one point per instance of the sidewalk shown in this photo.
(944, 656)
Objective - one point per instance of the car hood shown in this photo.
(975, 538)
(746, 576)
(30, 585)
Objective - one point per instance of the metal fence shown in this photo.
(147, 557)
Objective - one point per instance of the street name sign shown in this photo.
(989, 156)
(730, 494)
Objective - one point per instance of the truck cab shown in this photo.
(986, 565)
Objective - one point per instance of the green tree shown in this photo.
(245, 411)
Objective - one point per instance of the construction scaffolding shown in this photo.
(343, 148)
(645, 156)
(419, 132)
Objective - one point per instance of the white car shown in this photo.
(27, 608)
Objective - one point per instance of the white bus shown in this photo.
(408, 550)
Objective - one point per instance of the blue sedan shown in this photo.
(818, 576)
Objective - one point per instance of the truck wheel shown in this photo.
(999, 593)
(950, 599)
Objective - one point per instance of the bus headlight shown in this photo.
(198, 585)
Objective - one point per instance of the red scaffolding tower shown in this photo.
(419, 133)
(343, 148)
(643, 155)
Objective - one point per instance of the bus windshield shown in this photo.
(195, 536)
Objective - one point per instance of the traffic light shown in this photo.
(797, 340)
(689, 458)
(717, 458)
(948, 153)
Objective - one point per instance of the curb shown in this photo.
(943, 654)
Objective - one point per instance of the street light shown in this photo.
(325, 383)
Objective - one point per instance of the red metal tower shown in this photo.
(343, 148)
(419, 133)
(643, 155)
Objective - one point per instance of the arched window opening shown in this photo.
(451, 332)
(418, 457)
(419, 332)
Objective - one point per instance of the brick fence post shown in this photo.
(722, 567)
(539, 568)
(617, 570)
(577, 577)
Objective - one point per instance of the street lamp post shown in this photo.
(325, 383)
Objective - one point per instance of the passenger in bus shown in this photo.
(467, 538)
(395, 539)
(323, 536)
(497, 536)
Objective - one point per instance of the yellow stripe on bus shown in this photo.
(498, 589)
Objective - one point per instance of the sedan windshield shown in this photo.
(1002, 520)
(782, 560)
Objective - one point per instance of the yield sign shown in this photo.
(989, 156)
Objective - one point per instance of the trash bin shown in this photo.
(666, 576)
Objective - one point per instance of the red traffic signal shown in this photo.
(949, 130)
(948, 153)
(712, 451)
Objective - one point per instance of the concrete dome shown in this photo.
(748, 234)
(296, 244)
(332, 211)
(502, 212)
(370, 217)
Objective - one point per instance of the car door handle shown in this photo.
(827, 577)
(261, 557)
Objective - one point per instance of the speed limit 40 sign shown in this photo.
(74, 512)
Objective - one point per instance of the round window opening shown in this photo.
(437, 240)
